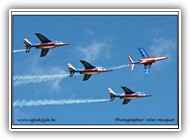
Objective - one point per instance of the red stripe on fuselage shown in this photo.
(151, 59)
(45, 44)
(130, 95)
(147, 60)
(133, 96)
(51, 45)
(91, 71)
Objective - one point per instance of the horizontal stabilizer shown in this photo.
(132, 66)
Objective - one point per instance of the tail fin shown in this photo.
(28, 45)
(72, 69)
(131, 61)
(112, 94)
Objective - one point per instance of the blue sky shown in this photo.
(103, 41)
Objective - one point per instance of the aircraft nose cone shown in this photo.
(148, 95)
(65, 44)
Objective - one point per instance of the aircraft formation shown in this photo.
(90, 70)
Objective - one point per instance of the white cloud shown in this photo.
(38, 73)
(89, 32)
(163, 47)
(55, 84)
(94, 50)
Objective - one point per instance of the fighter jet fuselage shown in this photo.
(50, 45)
(45, 44)
(151, 59)
(127, 96)
(93, 71)
(133, 96)
(88, 71)
(146, 60)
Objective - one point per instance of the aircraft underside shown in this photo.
(129, 97)
(45, 47)
(88, 72)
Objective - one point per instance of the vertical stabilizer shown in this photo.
(28, 45)
(72, 70)
(112, 94)
(131, 63)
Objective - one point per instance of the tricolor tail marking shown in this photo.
(131, 65)
(112, 94)
(72, 70)
(28, 45)
(26, 42)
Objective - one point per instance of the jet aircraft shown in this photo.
(88, 71)
(127, 96)
(146, 60)
(45, 44)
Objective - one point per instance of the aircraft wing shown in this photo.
(42, 38)
(143, 52)
(87, 65)
(44, 52)
(86, 77)
(146, 68)
(126, 101)
(127, 90)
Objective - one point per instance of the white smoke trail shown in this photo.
(26, 79)
(17, 51)
(119, 67)
(45, 102)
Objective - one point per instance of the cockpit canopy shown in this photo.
(59, 42)
(101, 68)
(140, 93)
